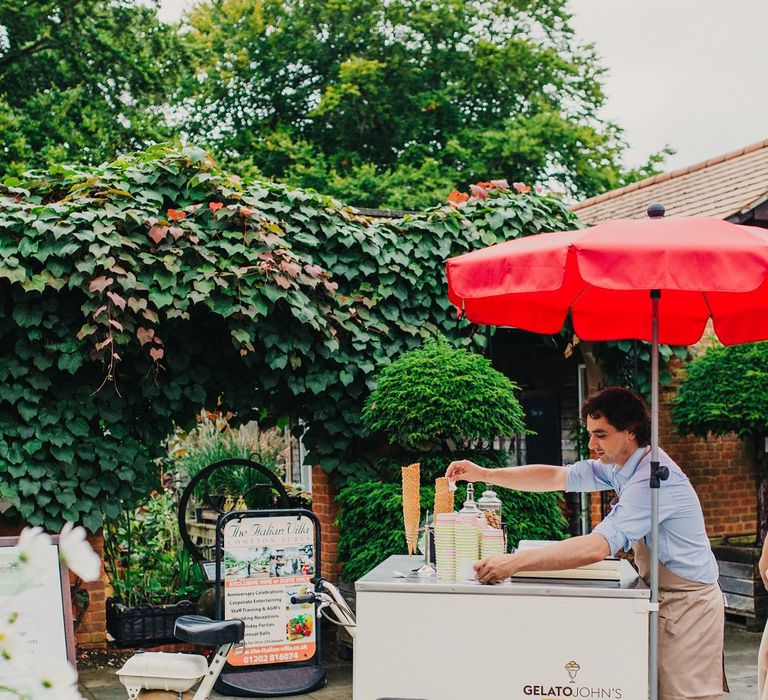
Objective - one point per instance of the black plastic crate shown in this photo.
(144, 625)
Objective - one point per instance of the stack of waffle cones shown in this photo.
(443, 496)
(411, 504)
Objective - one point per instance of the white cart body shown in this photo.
(526, 639)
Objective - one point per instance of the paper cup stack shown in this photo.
(445, 552)
(467, 539)
(491, 542)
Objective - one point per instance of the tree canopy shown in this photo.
(82, 80)
(136, 292)
(395, 104)
(382, 104)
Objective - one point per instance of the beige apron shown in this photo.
(691, 626)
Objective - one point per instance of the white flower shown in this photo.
(12, 646)
(77, 554)
(53, 678)
(33, 543)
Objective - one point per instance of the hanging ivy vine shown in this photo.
(135, 292)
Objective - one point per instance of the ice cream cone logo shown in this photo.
(572, 668)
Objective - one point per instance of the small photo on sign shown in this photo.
(299, 626)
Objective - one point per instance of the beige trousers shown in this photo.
(691, 625)
(762, 667)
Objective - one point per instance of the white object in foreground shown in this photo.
(162, 671)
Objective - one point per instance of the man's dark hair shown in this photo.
(623, 409)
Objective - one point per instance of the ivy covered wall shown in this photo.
(136, 292)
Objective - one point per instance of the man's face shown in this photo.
(610, 445)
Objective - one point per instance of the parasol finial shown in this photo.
(655, 210)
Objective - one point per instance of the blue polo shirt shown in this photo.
(683, 544)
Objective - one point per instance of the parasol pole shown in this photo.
(653, 659)
(658, 474)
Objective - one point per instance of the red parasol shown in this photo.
(704, 268)
(653, 279)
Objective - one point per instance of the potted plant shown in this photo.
(152, 576)
(726, 391)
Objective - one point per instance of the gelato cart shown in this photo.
(533, 639)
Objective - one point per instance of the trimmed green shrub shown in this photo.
(725, 390)
(436, 396)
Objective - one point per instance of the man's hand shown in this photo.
(497, 568)
(464, 470)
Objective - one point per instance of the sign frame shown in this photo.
(280, 514)
(63, 586)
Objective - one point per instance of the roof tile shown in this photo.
(722, 186)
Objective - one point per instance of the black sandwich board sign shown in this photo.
(263, 559)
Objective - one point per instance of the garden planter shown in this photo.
(746, 600)
(144, 625)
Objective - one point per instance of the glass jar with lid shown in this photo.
(490, 501)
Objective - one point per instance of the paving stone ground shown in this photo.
(740, 661)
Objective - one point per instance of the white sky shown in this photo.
(689, 73)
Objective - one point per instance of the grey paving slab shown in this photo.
(740, 662)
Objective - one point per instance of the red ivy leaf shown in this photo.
(455, 198)
(291, 268)
(115, 324)
(99, 284)
(117, 300)
(245, 212)
(331, 286)
(99, 311)
(520, 188)
(176, 232)
(176, 214)
(281, 281)
(500, 184)
(157, 233)
(144, 334)
(215, 206)
(478, 192)
(156, 354)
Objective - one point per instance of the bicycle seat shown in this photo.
(197, 629)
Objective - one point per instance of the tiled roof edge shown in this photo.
(655, 179)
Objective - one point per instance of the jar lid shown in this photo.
(489, 501)
(470, 507)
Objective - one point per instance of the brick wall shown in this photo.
(91, 633)
(325, 508)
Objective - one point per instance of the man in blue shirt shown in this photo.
(691, 605)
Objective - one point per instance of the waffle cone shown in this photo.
(411, 504)
(443, 496)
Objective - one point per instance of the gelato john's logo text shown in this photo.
(570, 689)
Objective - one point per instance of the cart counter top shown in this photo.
(386, 577)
